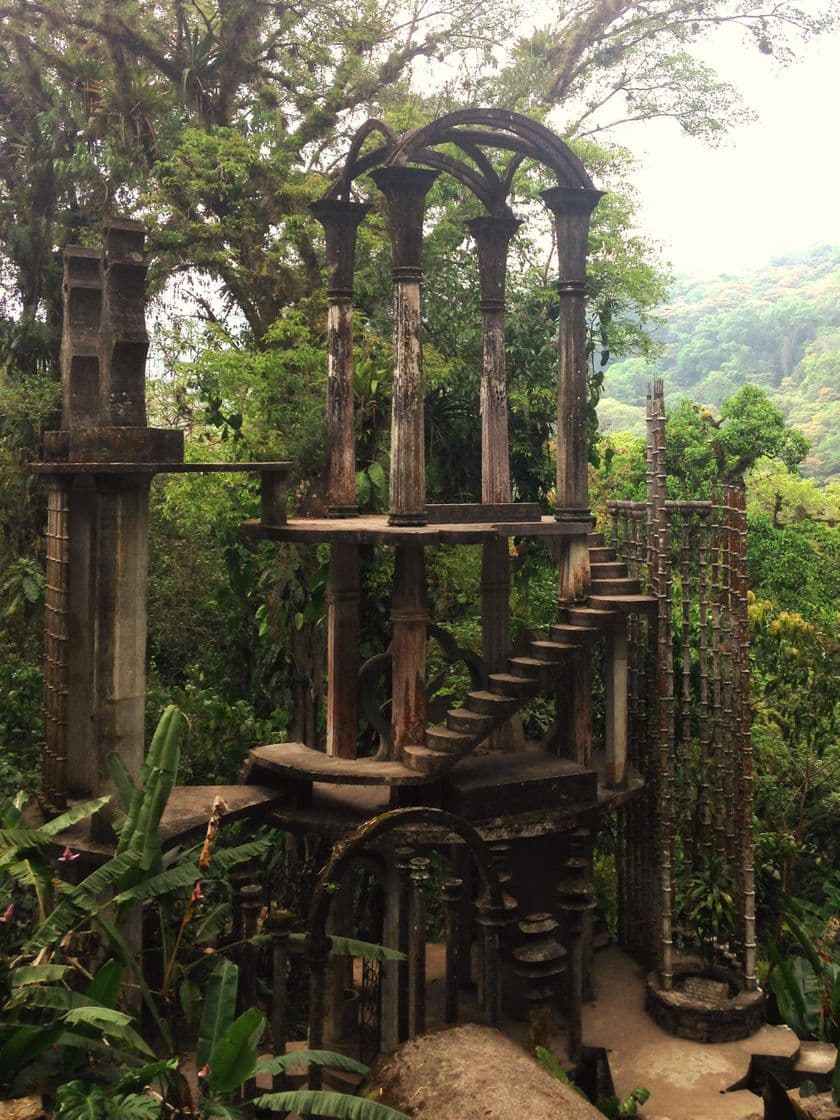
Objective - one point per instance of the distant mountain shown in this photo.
(778, 327)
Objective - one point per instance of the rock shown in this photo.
(472, 1072)
(23, 1108)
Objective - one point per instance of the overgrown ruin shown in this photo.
(659, 608)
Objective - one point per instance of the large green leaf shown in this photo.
(225, 858)
(218, 1011)
(234, 1057)
(350, 947)
(37, 974)
(282, 1063)
(310, 1102)
(173, 879)
(106, 984)
(73, 816)
(81, 902)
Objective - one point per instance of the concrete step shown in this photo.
(614, 569)
(601, 555)
(552, 651)
(446, 741)
(421, 760)
(600, 617)
(530, 668)
(508, 684)
(629, 604)
(491, 704)
(567, 634)
(625, 585)
(461, 719)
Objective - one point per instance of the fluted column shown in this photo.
(405, 190)
(571, 208)
(341, 222)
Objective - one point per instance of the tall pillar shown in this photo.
(615, 689)
(56, 641)
(410, 617)
(119, 685)
(405, 190)
(79, 360)
(492, 237)
(342, 650)
(123, 341)
(122, 519)
(571, 208)
(341, 222)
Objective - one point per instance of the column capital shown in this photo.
(341, 220)
(493, 235)
(405, 190)
(571, 207)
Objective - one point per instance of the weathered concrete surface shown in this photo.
(687, 1080)
(472, 1073)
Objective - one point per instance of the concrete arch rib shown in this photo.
(472, 131)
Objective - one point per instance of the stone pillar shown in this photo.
(82, 299)
(405, 190)
(571, 208)
(123, 341)
(410, 618)
(122, 519)
(575, 898)
(56, 641)
(342, 650)
(492, 237)
(119, 686)
(615, 689)
(340, 221)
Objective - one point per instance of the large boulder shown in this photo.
(472, 1073)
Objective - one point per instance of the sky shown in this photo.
(771, 189)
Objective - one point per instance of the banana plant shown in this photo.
(227, 1056)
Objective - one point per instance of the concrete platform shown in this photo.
(687, 1080)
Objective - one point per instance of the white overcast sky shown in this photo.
(773, 188)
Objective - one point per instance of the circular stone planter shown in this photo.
(707, 1003)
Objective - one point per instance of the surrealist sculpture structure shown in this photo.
(663, 606)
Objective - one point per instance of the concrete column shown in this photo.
(571, 208)
(616, 681)
(410, 618)
(119, 687)
(342, 650)
(405, 189)
(340, 221)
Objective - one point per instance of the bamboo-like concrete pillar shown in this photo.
(571, 208)
(56, 641)
(492, 237)
(405, 189)
(341, 222)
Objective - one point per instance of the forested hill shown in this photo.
(778, 327)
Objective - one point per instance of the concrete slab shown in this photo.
(687, 1080)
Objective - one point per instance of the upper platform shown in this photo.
(467, 523)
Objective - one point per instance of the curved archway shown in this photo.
(343, 855)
